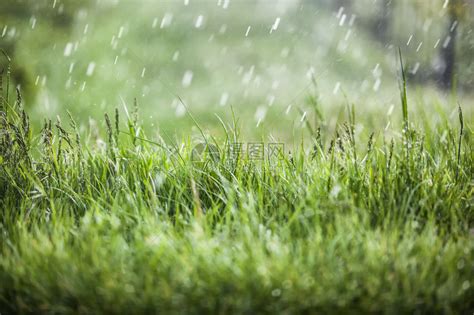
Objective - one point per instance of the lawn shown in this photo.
(344, 222)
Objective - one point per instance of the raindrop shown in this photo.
(275, 25)
(175, 56)
(343, 19)
(143, 72)
(271, 99)
(199, 21)
(409, 40)
(452, 26)
(166, 21)
(348, 34)
(33, 22)
(248, 75)
(419, 47)
(260, 114)
(377, 84)
(339, 13)
(120, 33)
(90, 69)
(187, 78)
(446, 41)
(224, 99)
(275, 84)
(68, 49)
(336, 88)
(180, 110)
(303, 117)
(390, 110)
(351, 21)
(248, 31)
(415, 68)
(223, 29)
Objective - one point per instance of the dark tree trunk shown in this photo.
(448, 51)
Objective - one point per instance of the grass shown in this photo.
(345, 222)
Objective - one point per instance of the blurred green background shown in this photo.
(259, 59)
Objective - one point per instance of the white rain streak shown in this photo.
(415, 68)
(199, 21)
(260, 114)
(120, 32)
(275, 25)
(352, 20)
(224, 3)
(390, 110)
(154, 23)
(446, 41)
(224, 99)
(419, 47)
(187, 78)
(342, 20)
(68, 49)
(248, 31)
(90, 69)
(33, 22)
(303, 117)
(175, 56)
(409, 40)
(336, 88)
(180, 110)
(377, 85)
(166, 20)
(248, 75)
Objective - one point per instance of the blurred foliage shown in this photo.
(18, 14)
(132, 56)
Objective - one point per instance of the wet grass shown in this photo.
(345, 223)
